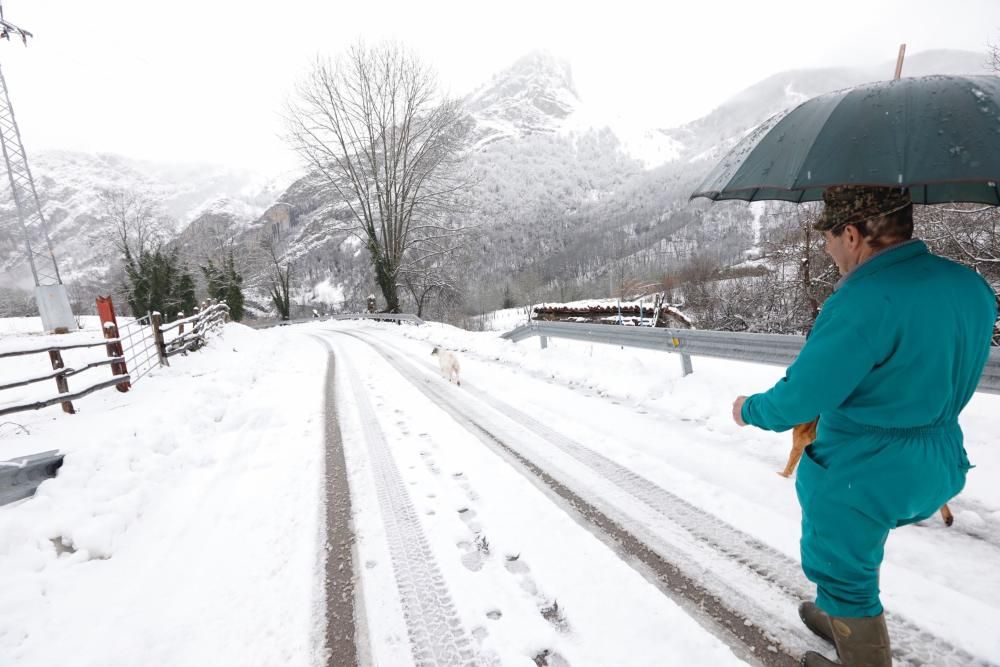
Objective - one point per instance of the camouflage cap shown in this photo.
(854, 204)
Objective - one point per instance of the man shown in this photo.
(894, 356)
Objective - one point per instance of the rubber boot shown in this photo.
(816, 620)
(860, 642)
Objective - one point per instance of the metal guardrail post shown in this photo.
(686, 367)
(686, 364)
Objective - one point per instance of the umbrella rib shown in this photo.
(992, 186)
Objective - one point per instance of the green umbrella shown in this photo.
(939, 136)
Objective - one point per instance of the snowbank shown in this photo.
(183, 527)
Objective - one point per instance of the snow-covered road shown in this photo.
(522, 577)
(577, 455)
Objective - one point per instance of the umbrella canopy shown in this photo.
(939, 136)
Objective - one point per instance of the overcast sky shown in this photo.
(205, 80)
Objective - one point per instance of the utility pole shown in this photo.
(50, 293)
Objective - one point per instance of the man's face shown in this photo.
(838, 248)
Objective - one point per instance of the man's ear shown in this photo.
(853, 236)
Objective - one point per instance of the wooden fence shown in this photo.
(60, 373)
(138, 344)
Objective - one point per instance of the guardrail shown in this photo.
(392, 317)
(21, 476)
(269, 323)
(773, 349)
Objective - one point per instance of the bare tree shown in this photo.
(529, 286)
(279, 281)
(428, 274)
(426, 281)
(804, 274)
(16, 302)
(967, 233)
(134, 227)
(133, 224)
(373, 123)
(214, 238)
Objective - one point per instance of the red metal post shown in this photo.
(109, 324)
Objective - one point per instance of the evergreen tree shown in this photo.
(224, 284)
(186, 295)
(233, 290)
(508, 297)
(214, 282)
(153, 282)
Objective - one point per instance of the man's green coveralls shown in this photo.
(894, 356)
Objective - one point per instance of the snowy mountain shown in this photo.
(562, 196)
(708, 138)
(69, 184)
(536, 94)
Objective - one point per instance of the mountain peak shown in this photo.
(543, 65)
(535, 94)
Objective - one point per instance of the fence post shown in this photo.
(161, 348)
(180, 327)
(109, 323)
(57, 364)
(545, 341)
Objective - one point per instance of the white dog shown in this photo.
(449, 365)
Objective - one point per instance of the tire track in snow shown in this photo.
(341, 636)
(435, 631)
(913, 645)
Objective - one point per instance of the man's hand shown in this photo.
(738, 410)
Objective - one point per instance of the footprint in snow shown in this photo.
(472, 559)
(514, 564)
(468, 516)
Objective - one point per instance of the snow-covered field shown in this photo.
(185, 527)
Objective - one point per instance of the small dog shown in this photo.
(449, 365)
(803, 435)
